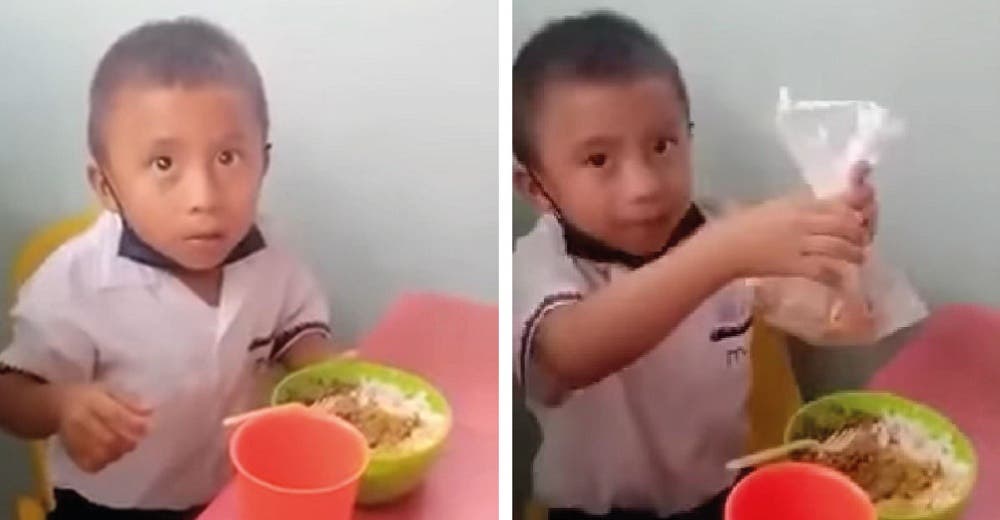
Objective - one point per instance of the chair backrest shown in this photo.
(31, 256)
(774, 392)
(40, 245)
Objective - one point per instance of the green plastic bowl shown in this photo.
(834, 410)
(389, 475)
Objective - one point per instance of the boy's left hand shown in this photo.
(861, 196)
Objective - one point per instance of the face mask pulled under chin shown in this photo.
(133, 247)
(581, 244)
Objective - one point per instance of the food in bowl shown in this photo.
(404, 419)
(894, 448)
(896, 462)
(389, 419)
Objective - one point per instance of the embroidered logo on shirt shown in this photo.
(734, 355)
(728, 331)
(730, 312)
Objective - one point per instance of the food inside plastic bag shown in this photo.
(826, 138)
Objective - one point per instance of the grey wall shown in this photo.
(385, 135)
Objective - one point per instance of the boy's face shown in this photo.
(615, 157)
(186, 164)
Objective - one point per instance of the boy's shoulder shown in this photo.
(543, 244)
(73, 267)
(80, 268)
(541, 267)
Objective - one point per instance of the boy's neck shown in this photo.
(207, 285)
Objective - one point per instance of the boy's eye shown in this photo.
(163, 163)
(227, 157)
(663, 145)
(597, 160)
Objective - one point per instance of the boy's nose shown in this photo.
(642, 181)
(202, 191)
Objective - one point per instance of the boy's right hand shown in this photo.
(98, 428)
(793, 236)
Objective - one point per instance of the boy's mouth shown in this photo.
(206, 237)
(651, 221)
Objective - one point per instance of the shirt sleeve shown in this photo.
(544, 279)
(304, 310)
(47, 344)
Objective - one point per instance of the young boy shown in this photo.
(133, 341)
(631, 322)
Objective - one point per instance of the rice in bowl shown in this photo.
(903, 468)
(390, 420)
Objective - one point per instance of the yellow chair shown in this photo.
(28, 508)
(774, 393)
(32, 254)
(535, 511)
(774, 396)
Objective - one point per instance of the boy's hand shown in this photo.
(792, 236)
(98, 428)
(861, 197)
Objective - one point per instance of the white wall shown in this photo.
(935, 63)
(384, 125)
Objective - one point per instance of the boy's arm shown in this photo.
(46, 347)
(582, 343)
(304, 336)
(314, 348)
(633, 314)
(28, 408)
(47, 380)
(95, 427)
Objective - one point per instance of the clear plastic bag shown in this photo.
(825, 138)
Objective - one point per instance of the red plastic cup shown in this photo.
(798, 491)
(292, 462)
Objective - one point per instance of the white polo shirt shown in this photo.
(654, 436)
(90, 315)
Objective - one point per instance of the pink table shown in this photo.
(953, 365)
(453, 343)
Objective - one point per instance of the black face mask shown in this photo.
(133, 247)
(583, 245)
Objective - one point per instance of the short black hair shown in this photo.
(187, 52)
(594, 46)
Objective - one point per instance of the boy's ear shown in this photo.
(526, 185)
(99, 183)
